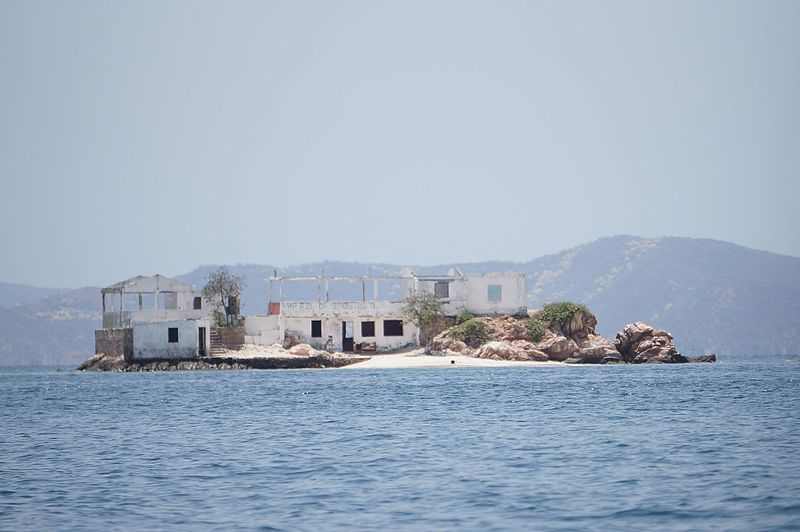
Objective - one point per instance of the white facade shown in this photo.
(378, 322)
(263, 330)
(484, 294)
(382, 323)
(168, 319)
(179, 339)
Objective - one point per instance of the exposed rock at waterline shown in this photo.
(640, 343)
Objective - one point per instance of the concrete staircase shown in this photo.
(222, 338)
(216, 347)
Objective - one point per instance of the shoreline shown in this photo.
(418, 359)
(271, 358)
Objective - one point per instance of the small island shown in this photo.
(434, 325)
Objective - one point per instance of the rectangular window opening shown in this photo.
(198, 303)
(367, 329)
(172, 332)
(441, 289)
(316, 328)
(393, 327)
(495, 292)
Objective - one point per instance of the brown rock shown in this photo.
(444, 345)
(628, 339)
(558, 348)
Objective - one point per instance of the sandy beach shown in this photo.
(418, 359)
(413, 358)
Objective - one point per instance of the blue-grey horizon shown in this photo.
(156, 137)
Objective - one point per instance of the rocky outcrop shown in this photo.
(514, 350)
(640, 343)
(445, 345)
(573, 342)
(102, 362)
(704, 358)
(557, 347)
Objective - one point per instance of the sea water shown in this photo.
(684, 447)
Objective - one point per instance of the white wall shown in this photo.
(470, 293)
(262, 330)
(514, 293)
(302, 309)
(332, 325)
(127, 318)
(151, 340)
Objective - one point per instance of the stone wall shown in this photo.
(227, 337)
(114, 342)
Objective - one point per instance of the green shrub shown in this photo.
(472, 332)
(464, 316)
(536, 329)
(561, 312)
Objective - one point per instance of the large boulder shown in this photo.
(445, 345)
(594, 349)
(558, 348)
(630, 335)
(640, 343)
(580, 326)
(516, 350)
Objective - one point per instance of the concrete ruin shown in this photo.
(374, 323)
(156, 317)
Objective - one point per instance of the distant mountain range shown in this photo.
(713, 296)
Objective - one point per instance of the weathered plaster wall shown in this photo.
(230, 337)
(114, 342)
(126, 318)
(332, 325)
(151, 340)
(302, 309)
(514, 293)
(262, 330)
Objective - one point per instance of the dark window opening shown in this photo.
(393, 327)
(198, 303)
(173, 335)
(316, 328)
(367, 328)
(441, 289)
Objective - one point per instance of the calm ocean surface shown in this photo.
(702, 446)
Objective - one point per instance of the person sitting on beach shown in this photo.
(329, 345)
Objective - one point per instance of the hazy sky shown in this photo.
(142, 137)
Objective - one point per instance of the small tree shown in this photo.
(425, 311)
(223, 290)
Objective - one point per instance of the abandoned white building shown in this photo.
(153, 318)
(159, 318)
(372, 323)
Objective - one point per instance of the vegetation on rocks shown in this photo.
(472, 332)
(536, 329)
(464, 316)
(561, 312)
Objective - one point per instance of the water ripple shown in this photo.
(659, 447)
